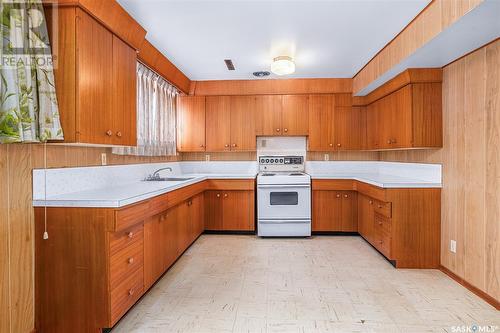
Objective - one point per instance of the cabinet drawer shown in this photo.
(383, 208)
(129, 216)
(126, 261)
(382, 234)
(126, 294)
(125, 238)
(382, 223)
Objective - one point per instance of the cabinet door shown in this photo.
(218, 113)
(295, 118)
(238, 210)
(154, 252)
(213, 210)
(95, 76)
(171, 237)
(191, 123)
(182, 216)
(365, 217)
(400, 106)
(347, 128)
(326, 211)
(123, 94)
(349, 211)
(268, 115)
(243, 120)
(321, 123)
(196, 216)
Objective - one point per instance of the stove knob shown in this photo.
(267, 160)
(281, 160)
(272, 160)
(262, 160)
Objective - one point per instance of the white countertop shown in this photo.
(126, 194)
(382, 180)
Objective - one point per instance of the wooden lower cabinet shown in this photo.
(229, 210)
(334, 211)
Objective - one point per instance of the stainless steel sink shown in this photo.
(169, 179)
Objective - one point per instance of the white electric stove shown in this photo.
(283, 197)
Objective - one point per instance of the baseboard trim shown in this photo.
(229, 232)
(335, 233)
(487, 298)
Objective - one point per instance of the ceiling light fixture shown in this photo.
(283, 65)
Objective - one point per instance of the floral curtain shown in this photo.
(156, 116)
(28, 104)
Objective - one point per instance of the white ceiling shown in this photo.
(332, 38)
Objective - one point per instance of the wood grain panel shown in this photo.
(272, 87)
(295, 118)
(470, 159)
(268, 115)
(191, 123)
(243, 119)
(436, 17)
(230, 184)
(5, 287)
(218, 123)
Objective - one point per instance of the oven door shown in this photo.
(284, 201)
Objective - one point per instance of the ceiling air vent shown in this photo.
(229, 64)
(261, 73)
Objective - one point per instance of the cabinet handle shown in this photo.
(389, 141)
(379, 222)
(130, 260)
(119, 134)
(346, 196)
(285, 130)
(225, 195)
(130, 234)
(379, 206)
(226, 145)
(109, 133)
(277, 130)
(381, 242)
(235, 145)
(201, 146)
(331, 144)
(371, 202)
(218, 195)
(338, 145)
(338, 195)
(131, 292)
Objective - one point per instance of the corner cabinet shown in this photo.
(95, 78)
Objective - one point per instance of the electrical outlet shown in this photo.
(104, 159)
(326, 157)
(453, 246)
(207, 158)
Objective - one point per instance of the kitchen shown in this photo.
(295, 179)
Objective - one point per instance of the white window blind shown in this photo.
(156, 116)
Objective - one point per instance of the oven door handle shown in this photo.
(284, 186)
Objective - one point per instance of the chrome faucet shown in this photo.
(156, 174)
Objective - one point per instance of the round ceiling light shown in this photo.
(283, 65)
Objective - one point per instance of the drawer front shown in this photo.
(126, 261)
(382, 235)
(382, 223)
(126, 294)
(383, 208)
(122, 239)
(130, 216)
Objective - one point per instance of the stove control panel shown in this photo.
(281, 163)
(281, 160)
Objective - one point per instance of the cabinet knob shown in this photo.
(379, 206)
(371, 202)
(339, 145)
(119, 134)
(201, 146)
(190, 203)
(226, 145)
(285, 130)
(277, 130)
(131, 292)
(109, 133)
(225, 195)
(346, 196)
(235, 145)
(162, 218)
(130, 260)
(381, 242)
(130, 234)
(218, 195)
(331, 144)
(338, 195)
(389, 142)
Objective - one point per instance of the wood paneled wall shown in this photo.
(435, 18)
(16, 221)
(471, 168)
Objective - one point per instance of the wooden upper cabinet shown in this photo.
(410, 117)
(295, 118)
(268, 115)
(95, 82)
(191, 123)
(218, 123)
(347, 132)
(321, 123)
(124, 99)
(243, 119)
